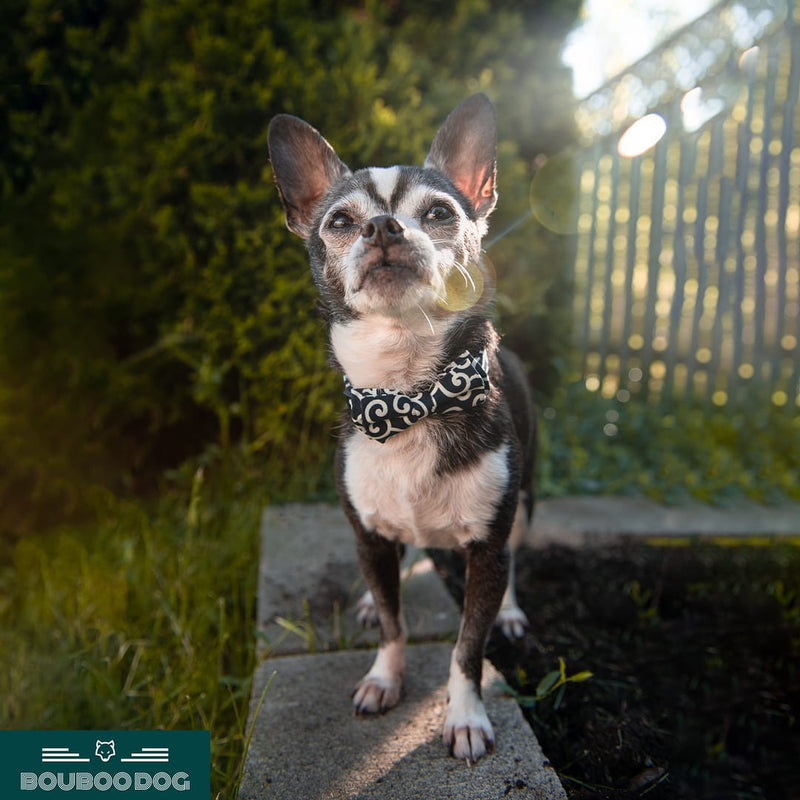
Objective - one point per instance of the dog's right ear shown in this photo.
(305, 166)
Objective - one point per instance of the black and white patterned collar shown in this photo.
(382, 413)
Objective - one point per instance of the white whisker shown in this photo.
(427, 319)
(467, 277)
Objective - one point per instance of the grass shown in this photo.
(142, 621)
(145, 618)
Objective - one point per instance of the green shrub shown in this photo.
(151, 300)
(671, 451)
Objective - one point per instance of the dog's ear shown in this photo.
(465, 149)
(305, 166)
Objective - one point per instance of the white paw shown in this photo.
(467, 731)
(468, 736)
(374, 695)
(366, 612)
(379, 689)
(512, 621)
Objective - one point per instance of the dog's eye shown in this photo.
(340, 221)
(439, 213)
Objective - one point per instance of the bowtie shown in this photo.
(381, 413)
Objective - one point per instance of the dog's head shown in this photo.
(387, 240)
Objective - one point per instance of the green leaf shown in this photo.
(548, 683)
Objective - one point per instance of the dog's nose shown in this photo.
(382, 231)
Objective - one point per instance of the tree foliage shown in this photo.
(151, 300)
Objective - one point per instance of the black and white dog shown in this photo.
(438, 447)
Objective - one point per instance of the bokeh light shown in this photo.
(554, 195)
(685, 273)
(645, 133)
(697, 109)
(464, 285)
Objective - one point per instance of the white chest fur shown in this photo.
(376, 350)
(396, 491)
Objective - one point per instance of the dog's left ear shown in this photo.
(305, 166)
(465, 149)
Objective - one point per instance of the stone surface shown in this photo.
(576, 521)
(308, 745)
(309, 582)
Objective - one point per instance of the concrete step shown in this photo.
(579, 521)
(309, 583)
(308, 745)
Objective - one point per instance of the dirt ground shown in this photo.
(695, 659)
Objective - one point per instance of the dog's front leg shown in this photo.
(379, 560)
(467, 730)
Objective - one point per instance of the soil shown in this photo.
(695, 659)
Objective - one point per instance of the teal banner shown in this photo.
(89, 764)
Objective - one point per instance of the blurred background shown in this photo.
(162, 369)
(152, 304)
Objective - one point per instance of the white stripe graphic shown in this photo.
(149, 754)
(64, 760)
(61, 755)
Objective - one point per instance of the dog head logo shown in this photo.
(104, 750)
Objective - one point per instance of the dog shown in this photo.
(438, 447)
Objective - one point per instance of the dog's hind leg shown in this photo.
(511, 619)
(365, 610)
(467, 730)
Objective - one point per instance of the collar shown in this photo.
(381, 413)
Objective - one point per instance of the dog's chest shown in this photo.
(397, 492)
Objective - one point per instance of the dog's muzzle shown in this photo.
(389, 259)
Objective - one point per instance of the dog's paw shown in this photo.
(366, 611)
(379, 689)
(512, 621)
(374, 694)
(468, 736)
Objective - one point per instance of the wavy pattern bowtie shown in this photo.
(381, 413)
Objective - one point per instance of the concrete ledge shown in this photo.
(308, 745)
(577, 521)
(309, 577)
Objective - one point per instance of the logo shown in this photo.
(89, 764)
(104, 750)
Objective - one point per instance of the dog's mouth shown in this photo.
(385, 271)
(390, 275)
(393, 273)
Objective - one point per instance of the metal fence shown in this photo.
(688, 255)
